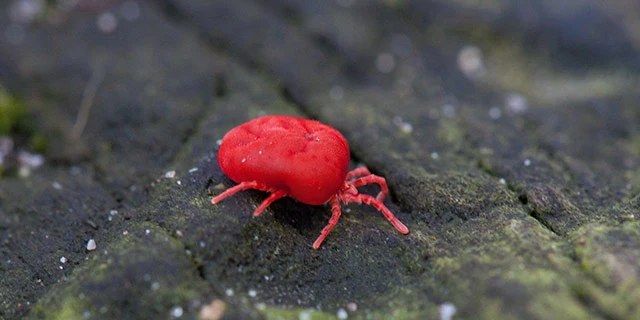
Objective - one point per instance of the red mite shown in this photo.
(298, 158)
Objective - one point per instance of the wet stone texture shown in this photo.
(508, 132)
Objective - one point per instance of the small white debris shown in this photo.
(516, 103)
(527, 162)
(192, 170)
(435, 155)
(176, 312)
(31, 160)
(253, 293)
(447, 310)
(342, 314)
(124, 233)
(91, 245)
(155, 286)
(63, 260)
(147, 231)
(404, 126)
(503, 181)
(179, 233)
(107, 22)
(219, 142)
(352, 306)
(385, 62)
(170, 174)
(305, 315)
(470, 62)
(56, 185)
(179, 182)
(495, 113)
(229, 292)
(202, 244)
(113, 212)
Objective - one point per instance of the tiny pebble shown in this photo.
(527, 162)
(342, 314)
(63, 260)
(170, 174)
(447, 311)
(91, 245)
(252, 293)
(177, 312)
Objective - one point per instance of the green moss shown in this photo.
(12, 112)
(294, 314)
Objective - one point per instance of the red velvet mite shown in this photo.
(298, 158)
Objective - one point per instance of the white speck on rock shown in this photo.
(229, 292)
(56, 185)
(170, 174)
(91, 245)
(527, 162)
(447, 310)
(107, 22)
(253, 293)
(471, 62)
(63, 260)
(516, 103)
(342, 314)
(176, 312)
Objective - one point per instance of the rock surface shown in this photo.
(508, 131)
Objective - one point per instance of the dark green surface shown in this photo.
(529, 215)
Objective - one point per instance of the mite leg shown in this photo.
(365, 198)
(370, 179)
(335, 216)
(275, 194)
(357, 172)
